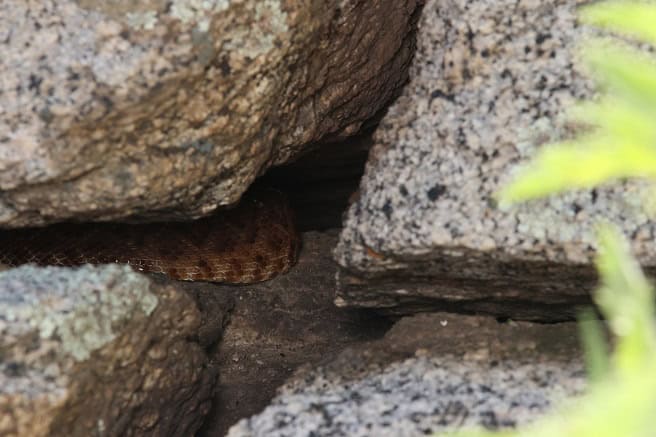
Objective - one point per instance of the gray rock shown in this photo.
(100, 351)
(490, 84)
(430, 374)
(171, 109)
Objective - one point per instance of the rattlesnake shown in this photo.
(251, 243)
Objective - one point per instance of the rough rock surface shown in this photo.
(100, 351)
(490, 84)
(431, 373)
(172, 108)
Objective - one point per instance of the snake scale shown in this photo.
(253, 242)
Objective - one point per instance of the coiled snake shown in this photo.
(251, 243)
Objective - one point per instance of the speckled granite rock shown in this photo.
(431, 373)
(99, 351)
(491, 83)
(172, 108)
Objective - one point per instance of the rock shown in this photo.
(431, 373)
(100, 350)
(171, 109)
(490, 84)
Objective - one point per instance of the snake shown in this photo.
(253, 242)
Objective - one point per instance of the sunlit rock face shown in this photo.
(490, 84)
(171, 109)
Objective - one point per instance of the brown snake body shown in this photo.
(251, 243)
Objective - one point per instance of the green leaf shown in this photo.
(632, 18)
(627, 300)
(618, 121)
(626, 72)
(582, 164)
(594, 346)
